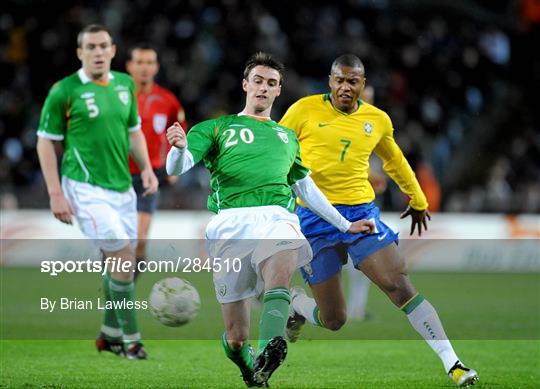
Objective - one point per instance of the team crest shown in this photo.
(368, 128)
(123, 95)
(284, 137)
(222, 290)
(160, 122)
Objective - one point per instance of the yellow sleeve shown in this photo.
(295, 118)
(397, 167)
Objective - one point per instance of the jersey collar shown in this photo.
(85, 79)
(261, 118)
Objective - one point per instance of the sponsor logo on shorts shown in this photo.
(283, 243)
(309, 271)
(382, 236)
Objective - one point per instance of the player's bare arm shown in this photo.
(49, 165)
(139, 152)
(418, 219)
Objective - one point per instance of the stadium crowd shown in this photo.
(457, 79)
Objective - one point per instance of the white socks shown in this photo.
(358, 292)
(306, 307)
(426, 322)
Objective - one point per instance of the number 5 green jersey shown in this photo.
(94, 120)
(252, 162)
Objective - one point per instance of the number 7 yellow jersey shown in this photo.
(336, 147)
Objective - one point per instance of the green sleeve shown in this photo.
(200, 139)
(53, 119)
(298, 171)
(134, 121)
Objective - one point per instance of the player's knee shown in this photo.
(396, 283)
(335, 321)
(400, 290)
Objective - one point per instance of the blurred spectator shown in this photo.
(441, 78)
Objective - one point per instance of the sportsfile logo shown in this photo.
(118, 265)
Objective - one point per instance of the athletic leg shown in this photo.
(144, 220)
(235, 339)
(388, 270)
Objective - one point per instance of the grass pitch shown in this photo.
(493, 319)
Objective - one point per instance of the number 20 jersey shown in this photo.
(94, 120)
(253, 162)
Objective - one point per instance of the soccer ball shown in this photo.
(174, 301)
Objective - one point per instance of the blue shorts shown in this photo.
(331, 246)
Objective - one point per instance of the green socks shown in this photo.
(121, 293)
(110, 328)
(242, 357)
(275, 313)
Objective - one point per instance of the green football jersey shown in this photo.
(94, 120)
(252, 162)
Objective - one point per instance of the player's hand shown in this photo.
(362, 226)
(176, 136)
(149, 182)
(418, 218)
(61, 208)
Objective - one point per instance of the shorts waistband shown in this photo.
(252, 210)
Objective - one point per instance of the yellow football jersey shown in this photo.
(336, 147)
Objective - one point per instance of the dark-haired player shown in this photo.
(254, 162)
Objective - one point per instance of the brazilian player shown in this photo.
(94, 113)
(253, 162)
(338, 132)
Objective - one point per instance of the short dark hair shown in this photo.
(263, 59)
(141, 46)
(348, 60)
(92, 28)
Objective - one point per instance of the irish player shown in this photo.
(254, 162)
(94, 113)
(338, 132)
(158, 109)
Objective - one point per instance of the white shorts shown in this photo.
(107, 217)
(251, 234)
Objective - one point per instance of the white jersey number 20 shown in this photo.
(246, 135)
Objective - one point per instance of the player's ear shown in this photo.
(113, 50)
(79, 53)
(244, 84)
